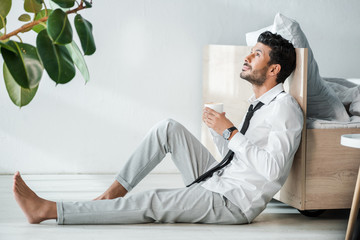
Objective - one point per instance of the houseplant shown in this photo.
(55, 51)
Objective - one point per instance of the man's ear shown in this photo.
(274, 69)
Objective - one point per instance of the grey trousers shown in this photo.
(194, 204)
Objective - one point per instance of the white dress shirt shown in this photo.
(263, 156)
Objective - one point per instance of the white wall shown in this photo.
(148, 67)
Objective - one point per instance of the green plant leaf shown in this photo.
(26, 30)
(79, 60)
(84, 30)
(32, 6)
(56, 58)
(39, 1)
(24, 17)
(24, 65)
(64, 3)
(55, 6)
(41, 26)
(1, 22)
(5, 6)
(19, 96)
(4, 45)
(59, 28)
(87, 4)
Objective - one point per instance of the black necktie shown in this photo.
(229, 156)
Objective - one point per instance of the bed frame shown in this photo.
(324, 172)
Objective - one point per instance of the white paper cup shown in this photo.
(219, 107)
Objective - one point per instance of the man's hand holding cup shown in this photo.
(214, 117)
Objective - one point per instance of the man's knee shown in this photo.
(169, 126)
(169, 123)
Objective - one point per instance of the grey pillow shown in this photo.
(322, 101)
(348, 93)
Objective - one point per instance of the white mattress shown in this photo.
(312, 123)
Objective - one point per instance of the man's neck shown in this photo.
(266, 86)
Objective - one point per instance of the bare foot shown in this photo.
(35, 208)
(114, 191)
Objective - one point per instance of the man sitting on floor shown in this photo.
(257, 159)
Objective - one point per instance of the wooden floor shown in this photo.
(278, 221)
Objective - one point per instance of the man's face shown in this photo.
(256, 64)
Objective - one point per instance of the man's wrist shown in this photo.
(232, 134)
(227, 132)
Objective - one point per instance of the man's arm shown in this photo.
(282, 140)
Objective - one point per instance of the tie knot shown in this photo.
(252, 109)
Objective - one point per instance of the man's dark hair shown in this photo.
(282, 52)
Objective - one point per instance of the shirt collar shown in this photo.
(267, 97)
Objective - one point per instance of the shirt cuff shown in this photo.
(237, 141)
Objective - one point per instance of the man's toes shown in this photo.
(19, 180)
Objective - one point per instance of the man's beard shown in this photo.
(257, 77)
